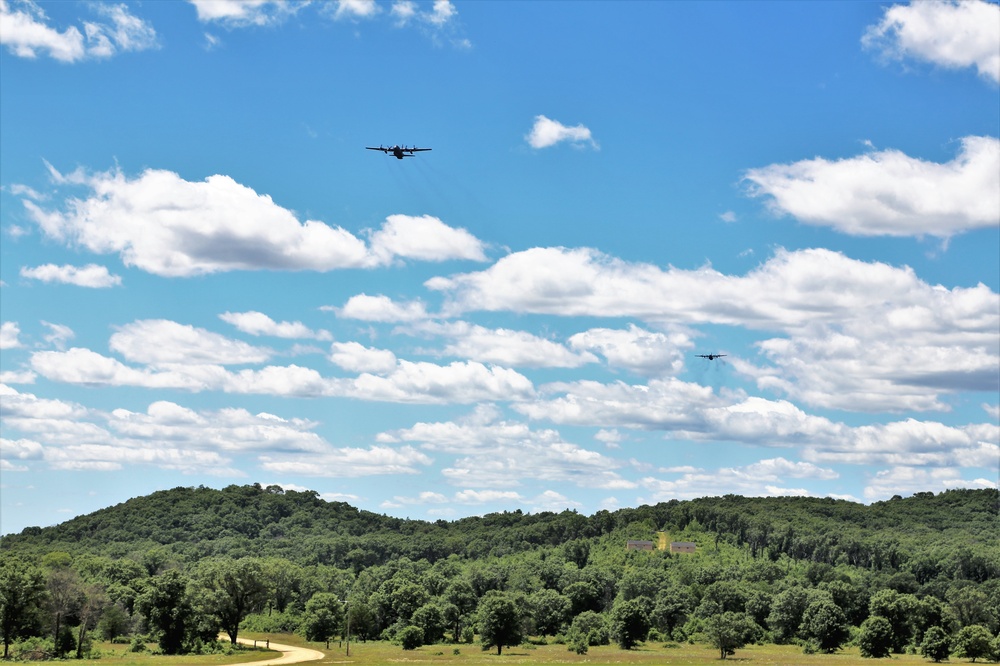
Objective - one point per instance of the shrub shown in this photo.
(410, 637)
(578, 644)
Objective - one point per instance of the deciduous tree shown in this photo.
(875, 637)
(825, 625)
(232, 589)
(936, 645)
(22, 592)
(973, 642)
(730, 631)
(499, 621)
(630, 622)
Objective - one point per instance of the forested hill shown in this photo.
(956, 531)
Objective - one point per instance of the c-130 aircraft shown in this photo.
(399, 152)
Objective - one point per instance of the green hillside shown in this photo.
(290, 558)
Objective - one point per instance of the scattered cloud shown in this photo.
(177, 357)
(502, 346)
(757, 479)
(26, 32)
(824, 305)
(9, 332)
(888, 193)
(640, 351)
(423, 238)
(160, 342)
(243, 13)
(258, 323)
(547, 132)
(502, 454)
(91, 275)
(168, 226)
(350, 462)
(354, 9)
(906, 480)
(950, 34)
(380, 309)
(355, 357)
(58, 335)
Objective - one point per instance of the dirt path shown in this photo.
(289, 654)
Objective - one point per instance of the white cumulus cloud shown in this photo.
(852, 334)
(547, 132)
(172, 227)
(946, 33)
(9, 334)
(380, 309)
(258, 323)
(160, 341)
(888, 193)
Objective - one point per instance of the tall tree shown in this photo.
(825, 625)
(549, 609)
(936, 645)
(324, 616)
(499, 621)
(167, 607)
(973, 642)
(22, 592)
(730, 631)
(63, 585)
(232, 589)
(875, 637)
(630, 621)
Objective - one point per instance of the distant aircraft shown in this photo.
(399, 152)
(710, 357)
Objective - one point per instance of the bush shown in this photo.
(33, 649)
(138, 644)
(277, 623)
(410, 637)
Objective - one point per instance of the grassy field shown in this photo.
(113, 653)
(387, 654)
(379, 653)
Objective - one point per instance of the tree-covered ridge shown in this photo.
(955, 528)
(179, 566)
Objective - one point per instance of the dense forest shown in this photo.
(918, 574)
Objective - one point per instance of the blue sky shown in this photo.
(207, 279)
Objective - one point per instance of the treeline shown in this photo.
(176, 567)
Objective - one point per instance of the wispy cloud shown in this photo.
(91, 275)
(26, 32)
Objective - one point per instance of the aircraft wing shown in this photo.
(384, 150)
(417, 150)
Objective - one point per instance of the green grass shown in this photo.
(119, 655)
(380, 653)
